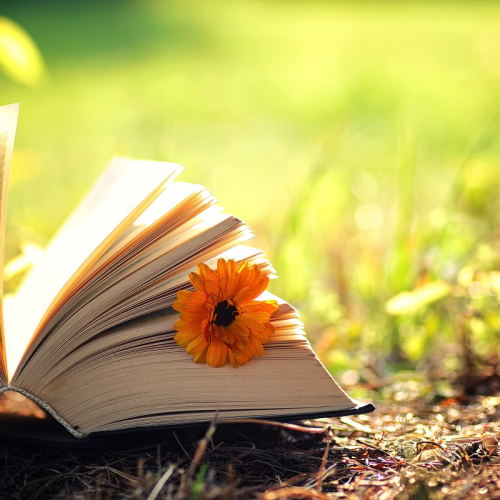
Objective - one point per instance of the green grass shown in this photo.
(358, 139)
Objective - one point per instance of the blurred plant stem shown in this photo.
(291, 246)
(481, 143)
(400, 276)
(464, 334)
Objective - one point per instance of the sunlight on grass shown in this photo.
(358, 139)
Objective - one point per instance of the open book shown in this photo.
(89, 335)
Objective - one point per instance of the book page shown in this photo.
(8, 124)
(77, 326)
(134, 242)
(136, 375)
(122, 193)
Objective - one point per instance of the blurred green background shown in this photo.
(359, 140)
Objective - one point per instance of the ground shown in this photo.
(405, 450)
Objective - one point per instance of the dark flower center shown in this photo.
(224, 314)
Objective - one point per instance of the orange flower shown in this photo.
(221, 321)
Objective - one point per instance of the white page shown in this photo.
(120, 193)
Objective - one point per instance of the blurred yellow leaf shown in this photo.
(466, 275)
(30, 255)
(491, 279)
(20, 57)
(411, 302)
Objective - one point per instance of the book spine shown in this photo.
(46, 407)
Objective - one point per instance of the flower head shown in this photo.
(221, 321)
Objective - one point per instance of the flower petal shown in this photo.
(208, 274)
(231, 266)
(184, 338)
(217, 354)
(261, 317)
(250, 322)
(232, 284)
(197, 345)
(259, 286)
(184, 295)
(232, 359)
(243, 295)
(222, 268)
(201, 357)
(211, 287)
(198, 297)
(197, 281)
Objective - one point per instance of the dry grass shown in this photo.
(404, 451)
